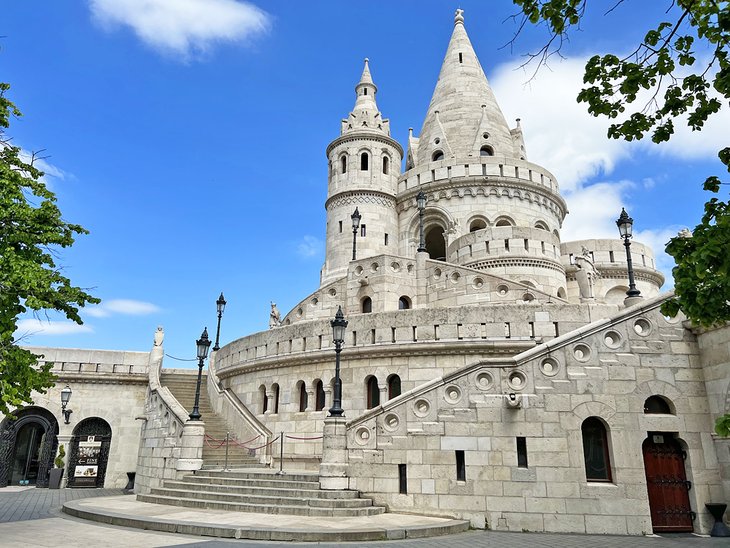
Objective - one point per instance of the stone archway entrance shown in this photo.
(667, 485)
(89, 454)
(27, 447)
(435, 242)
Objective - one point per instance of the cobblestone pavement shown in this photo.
(31, 518)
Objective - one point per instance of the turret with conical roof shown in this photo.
(463, 118)
(364, 165)
(487, 207)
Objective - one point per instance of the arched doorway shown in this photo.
(435, 242)
(89, 453)
(27, 447)
(666, 484)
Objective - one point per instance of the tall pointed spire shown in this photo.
(463, 116)
(365, 116)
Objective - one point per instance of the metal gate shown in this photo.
(89, 453)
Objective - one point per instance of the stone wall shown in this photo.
(606, 369)
(95, 377)
(171, 445)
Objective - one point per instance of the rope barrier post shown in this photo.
(281, 452)
(226, 466)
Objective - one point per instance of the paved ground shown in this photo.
(31, 518)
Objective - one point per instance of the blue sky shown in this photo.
(189, 137)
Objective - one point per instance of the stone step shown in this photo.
(309, 477)
(250, 482)
(189, 502)
(288, 498)
(263, 491)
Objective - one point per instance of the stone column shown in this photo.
(191, 447)
(66, 442)
(333, 468)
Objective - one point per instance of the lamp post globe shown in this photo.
(355, 225)
(338, 337)
(65, 397)
(625, 226)
(202, 345)
(220, 305)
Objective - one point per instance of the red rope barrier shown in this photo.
(264, 445)
(300, 438)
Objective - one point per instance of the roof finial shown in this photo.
(459, 17)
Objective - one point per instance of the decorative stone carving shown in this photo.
(586, 274)
(274, 316)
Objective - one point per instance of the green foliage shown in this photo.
(722, 426)
(669, 81)
(59, 458)
(31, 231)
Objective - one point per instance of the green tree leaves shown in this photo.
(644, 93)
(31, 232)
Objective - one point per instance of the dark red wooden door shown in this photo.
(667, 484)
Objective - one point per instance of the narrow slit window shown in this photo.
(610, 256)
(507, 330)
(532, 330)
(340, 227)
(386, 161)
(402, 479)
(557, 331)
(461, 57)
(392, 334)
(364, 161)
(372, 336)
(506, 244)
(527, 244)
(343, 164)
(363, 231)
(521, 452)
(386, 238)
(460, 466)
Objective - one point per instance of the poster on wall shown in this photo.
(87, 466)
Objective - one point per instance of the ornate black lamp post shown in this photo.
(221, 306)
(421, 201)
(625, 227)
(338, 336)
(65, 396)
(202, 343)
(355, 225)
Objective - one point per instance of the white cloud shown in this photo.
(183, 27)
(559, 132)
(122, 306)
(33, 326)
(657, 239)
(309, 246)
(593, 210)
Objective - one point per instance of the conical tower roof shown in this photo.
(365, 115)
(463, 115)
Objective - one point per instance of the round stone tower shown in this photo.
(488, 207)
(364, 166)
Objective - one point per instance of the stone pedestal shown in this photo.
(333, 468)
(631, 301)
(191, 447)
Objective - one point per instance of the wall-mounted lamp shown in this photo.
(65, 396)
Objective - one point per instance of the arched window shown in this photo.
(364, 161)
(386, 167)
(595, 450)
(302, 396)
(656, 405)
(437, 155)
(503, 221)
(319, 391)
(541, 225)
(435, 242)
(275, 390)
(373, 393)
(343, 164)
(393, 386)
(264, 399)
(477, 224)
(404, 303)
(367, 305)
(486, 150)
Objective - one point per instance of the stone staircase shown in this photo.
(182, 386)
(261, 491)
